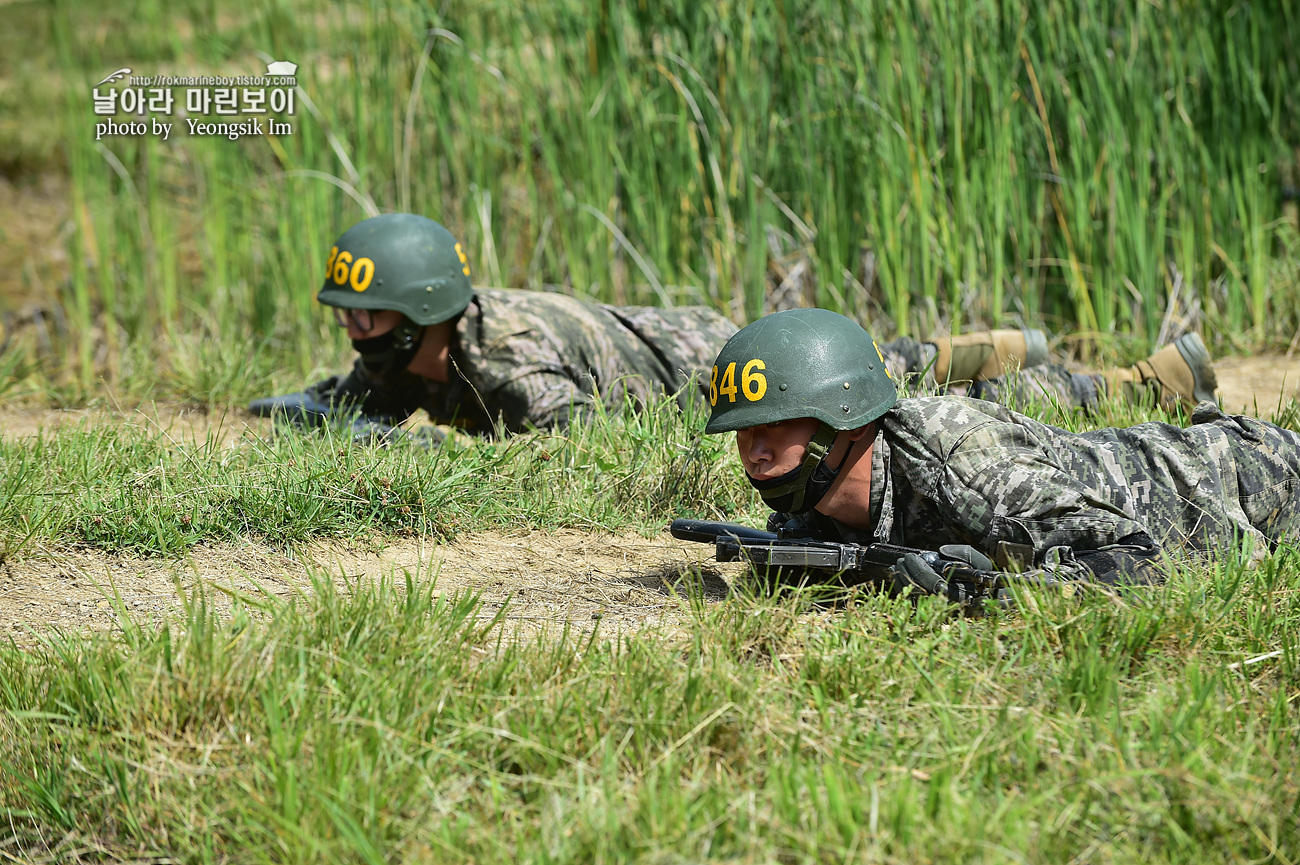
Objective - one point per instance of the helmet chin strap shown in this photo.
(800, 489)
(390, 352)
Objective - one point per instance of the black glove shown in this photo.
(356, 405)
(305, 409)
(390, 401)
(968, 554)
(368, 431)
(806, 525)
(912, 572)
(323, 403)
(777, 520)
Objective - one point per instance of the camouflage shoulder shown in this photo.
(946, 417)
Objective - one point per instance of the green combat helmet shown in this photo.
(796, 364)
(398, 261)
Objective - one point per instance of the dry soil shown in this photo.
(544, 580)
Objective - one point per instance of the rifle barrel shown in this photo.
(706, 532)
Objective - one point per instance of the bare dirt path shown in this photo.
(546, 580)
(180, 422)
(1266, 381)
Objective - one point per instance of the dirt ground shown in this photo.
(181, 423)
(545, 580)
(622, 583)
(1266, 381)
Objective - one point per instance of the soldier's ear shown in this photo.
(868, 432)
(440, 332)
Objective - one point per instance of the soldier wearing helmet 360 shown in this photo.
(822, 434)
(485, 358)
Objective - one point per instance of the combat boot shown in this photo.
(989, 354)
(1180, 372)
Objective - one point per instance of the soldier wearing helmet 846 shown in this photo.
(484, 359)
(821, 434)
(792, 366)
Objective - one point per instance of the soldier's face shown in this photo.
(770, 450)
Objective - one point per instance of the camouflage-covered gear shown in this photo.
(398, 261)
(1181, 371)
(535, 358)
(908, 358)
(799, 363)
(1093, 505)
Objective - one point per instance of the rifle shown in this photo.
(855, 564)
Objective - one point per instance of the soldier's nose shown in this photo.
(760, 450)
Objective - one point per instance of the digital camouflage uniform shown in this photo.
(1043, 383)
(1096, 505)
(537, 358)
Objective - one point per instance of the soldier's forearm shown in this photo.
(1135, 560)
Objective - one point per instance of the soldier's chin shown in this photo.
(773, 475)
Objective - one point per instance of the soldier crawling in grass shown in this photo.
(498, 359)
(824, 438)
(485, 359)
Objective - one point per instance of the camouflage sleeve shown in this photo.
(1001, 484)
(547, 400)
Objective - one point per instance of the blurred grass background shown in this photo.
(1116, 171)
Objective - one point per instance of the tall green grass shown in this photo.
(1098, 165)
(396, 723)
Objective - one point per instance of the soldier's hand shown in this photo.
(777, 520)
(968, 554)
(793, 525)
(367, 431)
(912, 573)
(305, 409)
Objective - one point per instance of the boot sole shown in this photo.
(1035, 347)
(1193, 350)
